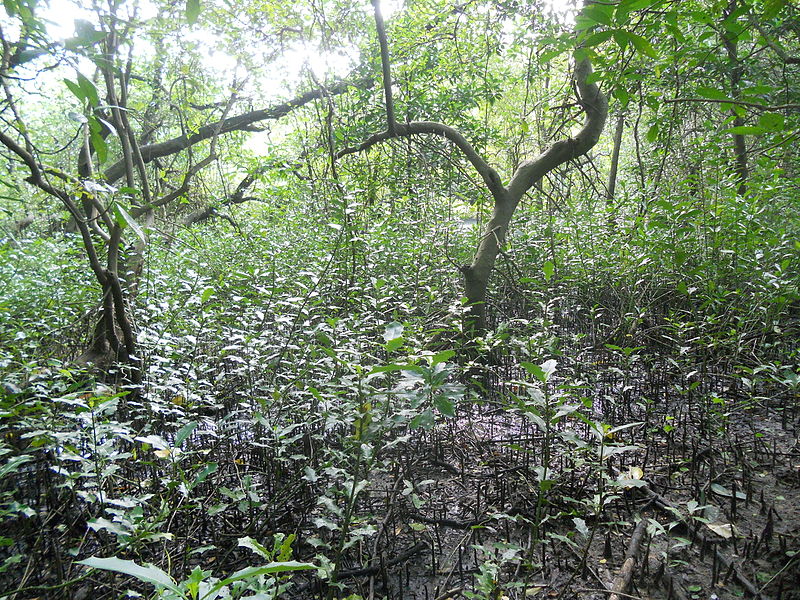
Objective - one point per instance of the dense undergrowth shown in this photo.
(310, 403)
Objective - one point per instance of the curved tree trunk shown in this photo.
(506, 198)
(528, 174)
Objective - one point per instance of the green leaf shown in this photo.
(202, 475)
(424, 419)
(442, 356)
(148, 573)
(29, 54)
(548, 268)
(389, 368)
(771, 121)
(642, 45)
(597, 38)
(248, 542)
(772, 8)
(599, 13)
(11, 8)
(13, 463)
(252, 572)
(444, 406)
(534, 370)
(126, 220)
(185, 432)
(192, 11)
(394, 344)
(75, 89)
(89, 90)
(86, 34)
(99, 145)
(723, 491)
(745, 130)
(622, 38)
(652, 133)
(711, 93)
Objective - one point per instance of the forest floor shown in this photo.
(703, 495)
(664, 477)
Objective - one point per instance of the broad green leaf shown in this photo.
(185, 432)
(621, 94)
(11, 7)
(147, 573)
(652, 133)
(711, 93)
(202, 475)
(388, 368)
(642, 45)
(723, 491)
(746, 130)
(99, 145)
(444, 406)
(424, 419)
(597, 38)
(442, 356)
(13, 463)
(771, 121)
(29, 54)
(192, 11)
(248, 542)
(757, 90)
(622, 38)
(86, 34)
(772, 8)
(582, 22)
(89, 90)
(252, 572)
(599, 13)
(548, 268)
(76, 90)
(394, 344)
(126, 220)
(534, 370)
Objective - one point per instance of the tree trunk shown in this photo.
(611, 188)
(528, 174)
(736, 71)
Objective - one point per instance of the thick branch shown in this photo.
(237, 123)
(595, 105)
(487, 173)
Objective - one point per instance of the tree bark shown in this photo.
(736, 71)
(611, 188)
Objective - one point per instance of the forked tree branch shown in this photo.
(486, 171)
